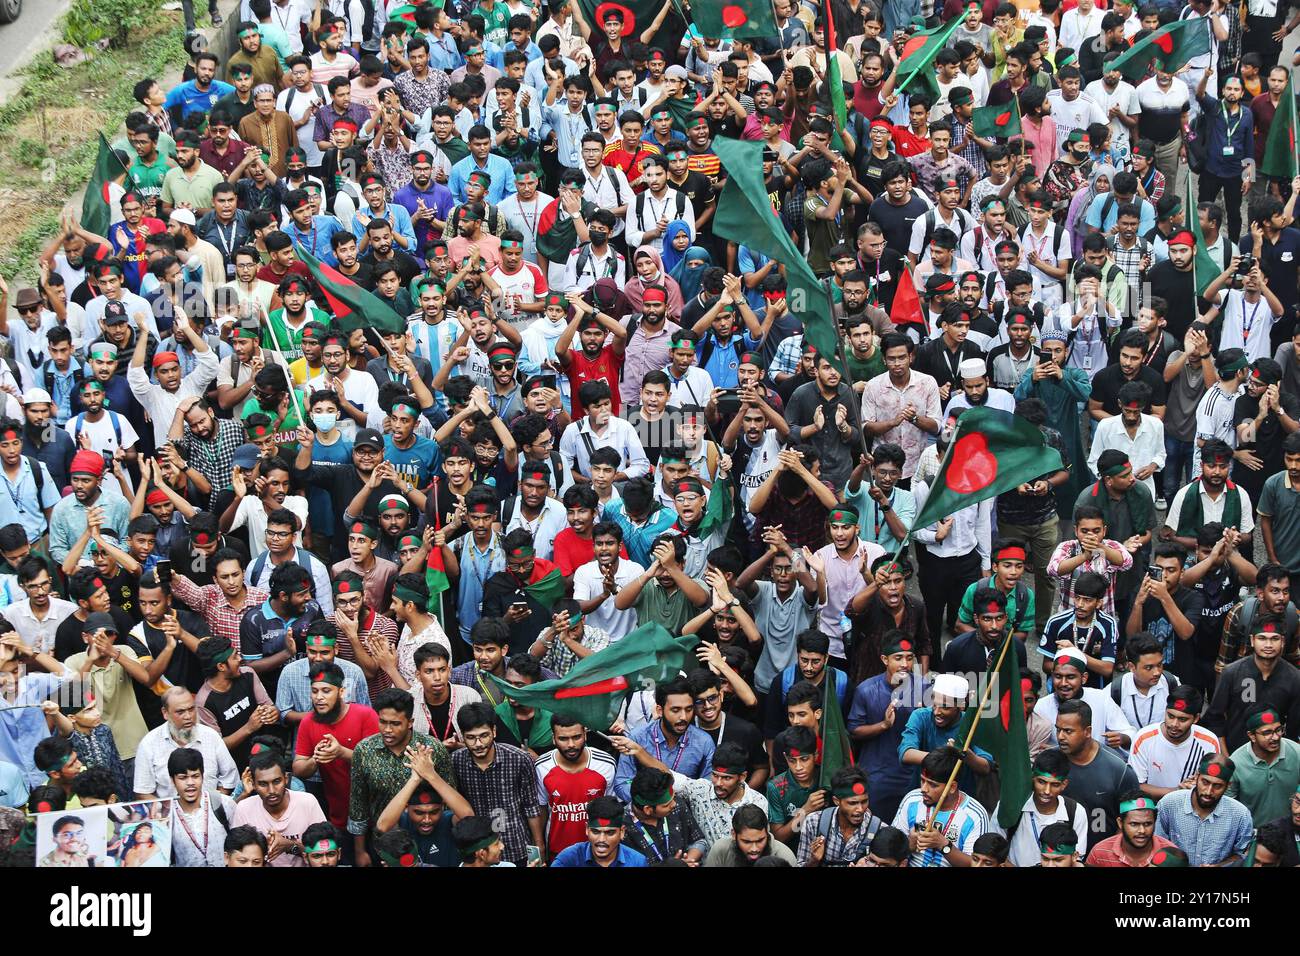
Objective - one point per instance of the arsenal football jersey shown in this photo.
(566, 795)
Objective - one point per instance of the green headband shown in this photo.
(469, 851)
(406, 860)
(855, 789)
(103, 350)
(1266, 718)
(223, 655)
(682, 344)
(1047, 775)
(1137, 803)
(1117, 469)
(523, 552)
(93, 384)
(844, 516)
(59, 763)
(1062, 848)
(410, 541)
(326, 639)
(364, 527)
(323, 845)
(391, 502)
(1235, 366)
(410, 595)
(247, 333)
(654, 799)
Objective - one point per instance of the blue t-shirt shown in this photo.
(193, 100)
(417, 462)
(437, 849)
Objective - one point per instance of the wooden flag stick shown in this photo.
(970, 734)
(263, 317)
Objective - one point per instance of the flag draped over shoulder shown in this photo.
(745, 215)
(916, 68)
(594, 689)
(1280, 148)
(1167, 48)
(97, 207)
(992, 451)
(352, 306)
(547, 583)
(1001, 730)
(557, 236)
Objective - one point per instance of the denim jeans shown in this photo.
(1178, 463)
(187, 9)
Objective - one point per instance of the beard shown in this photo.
(331, 715)
(183, 735)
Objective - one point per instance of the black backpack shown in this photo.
(681, 205)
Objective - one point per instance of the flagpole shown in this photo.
(275, 339)
(970, 734)
(437, 526)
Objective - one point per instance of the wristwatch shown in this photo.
(947, 848)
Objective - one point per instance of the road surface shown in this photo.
(30, 33)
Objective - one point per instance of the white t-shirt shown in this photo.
(588, 582)
(1214, 420)
(102, 436)
(523, 217)
(761, 464)
(1077, 113)
(360, 389)
(1106, 715)
(30, 348)
(1246, 325)
(1161, 763)
(252, 513)
(297, 109)
(543, 528)
(1125, 97)
(1211, 510)
(526, 286)
(1024, 845)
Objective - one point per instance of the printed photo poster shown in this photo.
(140, 833)
(73, 838)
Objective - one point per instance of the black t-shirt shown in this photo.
(440, 717)
(787, 388)
(183, 670)
(183, 558)
(1177, 290)
(896, 221)
(1154, 619)
(68, 640)
(407, 267)
(1107, 383)
(870, 167)
(883, 275)
(231, 709)
(123, 591)
(1268, 440)
(697, 188)
(737, 730)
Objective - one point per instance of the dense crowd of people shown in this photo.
(276, 565)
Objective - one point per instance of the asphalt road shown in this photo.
(26, 35)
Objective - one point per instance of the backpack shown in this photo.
(112, 417)
(47, 376)
(931, 220)
(317, 88)
(1021, 591)
(681, 204)
(255, 571)
(1071, 807)
(585, 257)
(1250, 607)
(827, 820)
(1170, 683)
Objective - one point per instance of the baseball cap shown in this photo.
(368, 437)
(246, 456)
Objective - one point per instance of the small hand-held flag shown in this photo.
(744, 18)
(97, 206)
(996, 122)
(916, 65)
(1167, 48)
(352, 306)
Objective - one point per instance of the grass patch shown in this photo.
(48, 130)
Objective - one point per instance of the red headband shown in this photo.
(654, 295)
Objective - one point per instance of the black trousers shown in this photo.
(1231, 188)
(943, 583)
(1258, 37)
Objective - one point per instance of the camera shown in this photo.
(1245, 266)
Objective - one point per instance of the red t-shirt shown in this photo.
(630, 163)
(572, 552)
(604, 368)
(355, 726)
(567, 794)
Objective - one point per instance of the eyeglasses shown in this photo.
(37, 586)
(278, 534)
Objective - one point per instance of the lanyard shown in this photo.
(652, 841)
(203, 811)
(14, 493)
(531, 224)
(681, 748)
(1231, 129)
(446, 731)
(1246, 326)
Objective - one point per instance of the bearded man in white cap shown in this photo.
(976, 391)
(1069, 674)
(937, 726)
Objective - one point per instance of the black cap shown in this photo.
(99, 621)
(368, 437)
(114, 313)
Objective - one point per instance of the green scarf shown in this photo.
(1193, 514)
(1139, 508)
(539, 735)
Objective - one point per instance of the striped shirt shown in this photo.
(964, 824)
(1157, 761)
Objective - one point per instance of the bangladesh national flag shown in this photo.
(1000, 729)
(834, 80)
(546, 586)
(352, 306)
(835, 749)
(637, 16)
(594, 690)
(743, 18)
(435, 572)
(992, 451)
(1204, 269)
(556, 234)
(1280, 148)
(1167, 48)
(97, 206)
(745, 215)
(997, 122)
(916, 65)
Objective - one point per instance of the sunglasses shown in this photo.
(503, 364)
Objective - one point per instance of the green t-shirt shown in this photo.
(966, 613)
(657, 605)
(784, 797)
(455, 149)
(289, 340)
(148, 177)
(864, 371)
(286, 437)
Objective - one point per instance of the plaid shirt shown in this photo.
(1157, 187)
(386, 628)
(211, 604)
(561, 658)
(787, 357)
(1130, 263)
(970, 151)
(839, 851)
(378, 775)
(1101, 564)
(214, 459)
(1206, 841)
(505, 793)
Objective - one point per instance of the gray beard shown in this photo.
(183, 736)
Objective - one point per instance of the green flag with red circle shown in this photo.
(1000, 728)
(738, 19)
(996, 122)
(992, 451)
(1167, 48)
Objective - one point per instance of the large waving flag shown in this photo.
(96, 206)
(1167, 48)
(1001, 730)
(834, 79)
(1280, 160)
(743, 18)
(593, 691)
(352, 306)
(1204, 269)
(992, 451)
(916, 65)
(745, 216)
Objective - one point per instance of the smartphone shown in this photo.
(108, 460)
(522, 604)
(550, 381)
(1156, 573)
(163, 569)
(534, 855)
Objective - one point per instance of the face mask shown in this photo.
(324, 423)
